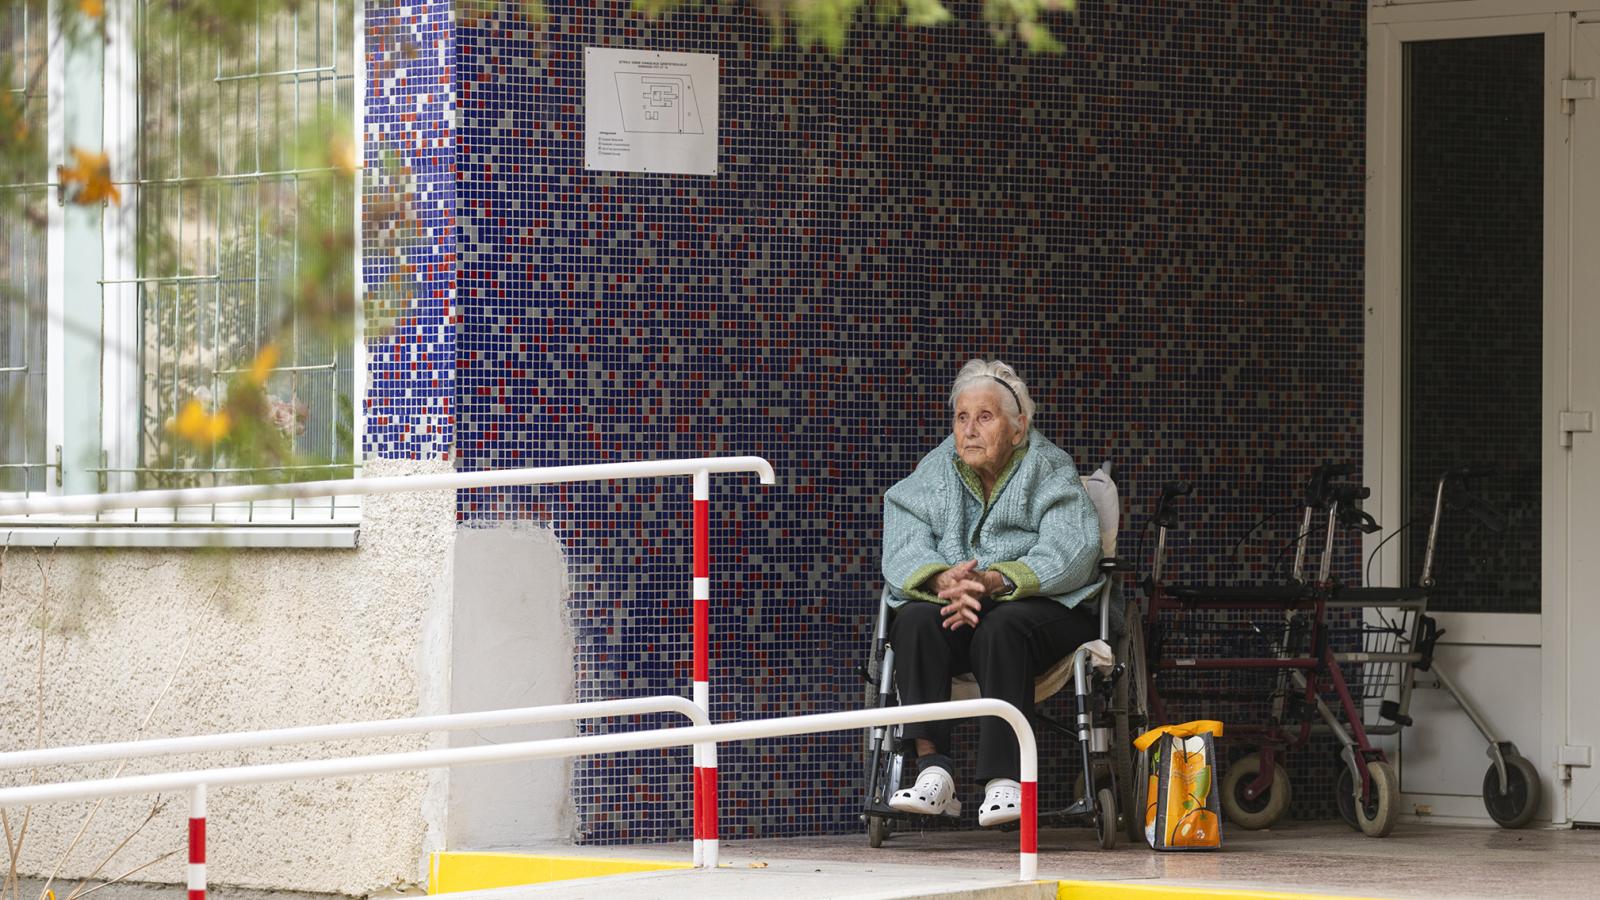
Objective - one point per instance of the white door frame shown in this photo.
(1390, 25)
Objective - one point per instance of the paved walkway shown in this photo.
(1305, 858)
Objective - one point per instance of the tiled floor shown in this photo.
(1310, 858)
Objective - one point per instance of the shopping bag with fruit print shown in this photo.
(1182, 809)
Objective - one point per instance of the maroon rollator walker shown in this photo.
(1323, 645)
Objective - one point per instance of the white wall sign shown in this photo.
(650, 111)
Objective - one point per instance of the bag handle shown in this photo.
(1186, 730)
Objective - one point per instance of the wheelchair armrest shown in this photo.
(1111, 564)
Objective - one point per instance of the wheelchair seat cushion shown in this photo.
(1054, 679)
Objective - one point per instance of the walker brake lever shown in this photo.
(1460, 494)
(1355, 517)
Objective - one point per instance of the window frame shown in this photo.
(93, 423)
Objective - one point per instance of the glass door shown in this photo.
(1459, 284)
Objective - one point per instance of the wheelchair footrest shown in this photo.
(1080, 808)
(886, 811)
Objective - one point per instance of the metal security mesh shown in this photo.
(231, 186)
(23, 454)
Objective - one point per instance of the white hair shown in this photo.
(982, 373)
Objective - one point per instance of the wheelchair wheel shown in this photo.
(1130, 711)
(878, 830)
(1515, 807)
(1265, 809)
(1106, 823)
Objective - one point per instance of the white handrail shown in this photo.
(700, 469)
(305, 490)
(197, 780)
(339, 731)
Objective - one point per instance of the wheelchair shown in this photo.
(1109, 689)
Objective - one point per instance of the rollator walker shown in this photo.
(1334, 659)
(1108, 704)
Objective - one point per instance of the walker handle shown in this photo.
(1166, 516)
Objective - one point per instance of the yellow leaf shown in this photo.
(265, 362)
(342, 153)
(94, 9)
(199, 427)
(92, 173)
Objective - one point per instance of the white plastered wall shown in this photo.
(511, 649)
(292, 637)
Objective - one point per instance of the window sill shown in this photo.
(170, 537)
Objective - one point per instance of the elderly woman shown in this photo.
(989, 547)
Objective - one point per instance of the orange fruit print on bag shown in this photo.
(1182, 811)
(1190, 820)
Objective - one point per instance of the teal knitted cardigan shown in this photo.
(1039, 528)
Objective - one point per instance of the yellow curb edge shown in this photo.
(453, 871)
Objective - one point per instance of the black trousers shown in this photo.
(1013, 643)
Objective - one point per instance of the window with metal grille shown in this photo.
(23, 454)
(213, 267)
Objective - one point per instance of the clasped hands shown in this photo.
(963, 587)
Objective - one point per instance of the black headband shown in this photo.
(1010, 390)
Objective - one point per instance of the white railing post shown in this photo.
(197, 842)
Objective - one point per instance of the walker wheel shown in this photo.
(1106, 825)
(1267, 808)
(1344, 794)
(878, 829)
(1515, 807)
(1377, 816)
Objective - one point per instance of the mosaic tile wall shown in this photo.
(408, 229)
(1161, 229)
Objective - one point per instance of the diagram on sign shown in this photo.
(649, 111)
(658, 103)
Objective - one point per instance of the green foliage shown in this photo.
(828, 23)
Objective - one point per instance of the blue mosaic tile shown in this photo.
(409, 256)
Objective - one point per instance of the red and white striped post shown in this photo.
(1028, 842)
(197, 842)
(705, 755)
